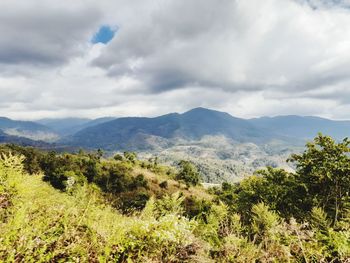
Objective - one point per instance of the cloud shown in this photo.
(249, 58)
(235, 45)
(40, 32)
(319, 4)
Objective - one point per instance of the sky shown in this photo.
(249, 58)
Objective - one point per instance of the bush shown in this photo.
(188, 173)
(118, 157)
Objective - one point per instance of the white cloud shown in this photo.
(249, 58)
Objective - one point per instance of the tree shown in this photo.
(99, 153)
(130, 156)
(118, 157)
(324, 168)
(188, 173)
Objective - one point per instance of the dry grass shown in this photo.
(173, 185)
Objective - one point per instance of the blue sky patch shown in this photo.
(103, 35)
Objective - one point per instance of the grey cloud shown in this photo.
(234, 45)
(317, 4)
(44, 32)
(170, 42)
(248, 57)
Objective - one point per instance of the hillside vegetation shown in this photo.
(86, 208)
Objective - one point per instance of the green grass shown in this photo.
(39, 223)
(44, 224)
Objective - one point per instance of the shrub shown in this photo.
(118, 157)
(188, 173)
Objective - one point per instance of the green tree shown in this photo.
(130, 156)
(324, 168)
(118, 157)
(188, 173)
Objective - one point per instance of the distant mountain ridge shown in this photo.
(5, 138)
(6, 123)
(223, 147)
(69, 126)
(131, 132)
(143, 133)
(303, 127)
(123, 133)
(27, 129)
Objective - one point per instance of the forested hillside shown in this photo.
(85, 207)
(136, 133)
(27, 129)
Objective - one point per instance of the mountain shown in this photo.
(68, 126)
(5, 138)
(64, 126)
(223, 147)
(27, 129)
(133, 132)
(303, 127)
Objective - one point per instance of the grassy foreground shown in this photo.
(273, 216)
(41, 224)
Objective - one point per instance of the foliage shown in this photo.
(130, 156)
(271, 216)
(188, 173)
(45, 225)
(324, 168)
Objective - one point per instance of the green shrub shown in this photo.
(188, 173)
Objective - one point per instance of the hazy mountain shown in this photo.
(5, 138)
(68, 126)
(126, 133)
(304, 128)
(27, 129)
(136, 133)
(64, 126)
(97, 121)
(222, 146)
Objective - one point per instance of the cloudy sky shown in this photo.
(84, 58)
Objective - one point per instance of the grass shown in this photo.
(46, 225)
(41, 224)
(173, 185)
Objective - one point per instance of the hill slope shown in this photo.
(273, 216)
(27, 129)
(68, 126)
(5, 138)
(40, 223)
(303, 127)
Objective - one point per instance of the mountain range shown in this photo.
(27, 129)
(69, 126)
(303, 127)
(139, 133)
(224, 147)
